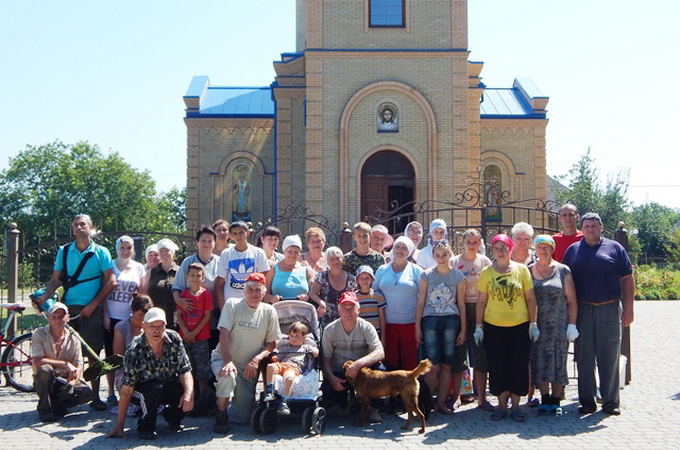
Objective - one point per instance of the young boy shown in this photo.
(362, 254)
(195, 324)
(236, 263)
(289, 364)
(371, 302)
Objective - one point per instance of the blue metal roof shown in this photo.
(504, 102)
(237, 101)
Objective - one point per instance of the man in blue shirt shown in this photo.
(86, 285)
(603, 277)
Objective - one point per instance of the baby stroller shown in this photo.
(304, 398)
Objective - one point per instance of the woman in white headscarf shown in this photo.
(414, 231)
(437, 233)
(398, 281)
(289, 278)
(161, 278)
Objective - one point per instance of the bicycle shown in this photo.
(16, 362)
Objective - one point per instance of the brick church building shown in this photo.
(378, 105)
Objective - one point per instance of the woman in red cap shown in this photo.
(506, 324)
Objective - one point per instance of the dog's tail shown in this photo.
(422, 368)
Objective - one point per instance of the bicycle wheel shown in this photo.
(17, 364)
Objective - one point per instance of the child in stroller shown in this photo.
(301, 391)
(289, 364)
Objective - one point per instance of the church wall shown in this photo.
(220, 150)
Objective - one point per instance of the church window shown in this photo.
(386, 13)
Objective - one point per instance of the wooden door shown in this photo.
(374, 194)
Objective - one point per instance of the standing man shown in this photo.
(58, 366)
(605, 286)
(85, 270)
(568, 217)
(237, 263)
(156, 372)
(248, 333)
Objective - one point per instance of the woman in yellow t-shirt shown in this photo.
(506, 324)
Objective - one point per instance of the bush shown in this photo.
(652, 283)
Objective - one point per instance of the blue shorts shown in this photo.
(439, 338)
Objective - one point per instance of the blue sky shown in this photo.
(114, 73)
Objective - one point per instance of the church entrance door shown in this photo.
(387, 180)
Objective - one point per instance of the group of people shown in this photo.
(385, 304)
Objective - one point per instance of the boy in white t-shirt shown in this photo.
(236, 263)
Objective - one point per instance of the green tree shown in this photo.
(584, 191)
(45, 186)
(655, 225)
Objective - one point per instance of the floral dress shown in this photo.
(549, 353)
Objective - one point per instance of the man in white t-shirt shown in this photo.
(248, 333)
(236, 263)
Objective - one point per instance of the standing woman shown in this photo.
(329, 285)
(130, 279)
(269, 241)
(314, 257)
(205, 242)
(557, 309)
(221, 229)
(152, 257)
(160, 279)
(440, 322)
(506, 323)
(414, 231)
(471, 263)
(398, 281)
(289, 278)
(522, 233)
(437, 233)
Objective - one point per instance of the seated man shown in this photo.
(348, 338)
(156, 372)
(58, 366)
(248, 333)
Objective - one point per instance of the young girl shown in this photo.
(289, 364)
(440, 321)
(471, 263)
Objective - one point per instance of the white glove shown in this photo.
(533, 332)
(478, 335)
(572, 332)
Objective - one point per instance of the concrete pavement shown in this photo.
(650, 415)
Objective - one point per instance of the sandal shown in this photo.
(518, 416)
(544, 409)
(443, 409)
(555, 410)
(533, 403)
(486, 406)
(498, 414)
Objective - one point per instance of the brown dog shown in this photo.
(370, 384)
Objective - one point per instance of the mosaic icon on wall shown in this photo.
(493, 193)
(240, 200)
(388, 119)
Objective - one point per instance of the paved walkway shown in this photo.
(650, 415)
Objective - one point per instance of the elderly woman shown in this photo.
(381, 239)
(160, 279)
(314, 257)
(152, 257)
(329, 285)
(522, 233)
(506, 323)
(130, 278)
(221, 228)
(205, 242)
(269, 241)
(437, 233)
(398, 281)
(556, 299)
(289, 278)
(414, 231)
